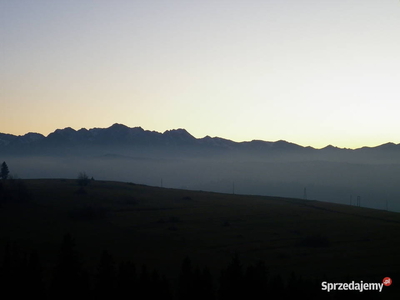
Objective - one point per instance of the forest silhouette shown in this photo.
(25, 275)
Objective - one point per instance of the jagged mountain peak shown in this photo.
(179, 133)
(67, 131)
(122, 135)
(178, 130)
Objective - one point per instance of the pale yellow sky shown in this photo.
(309, 72)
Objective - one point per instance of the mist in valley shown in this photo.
(333, 178)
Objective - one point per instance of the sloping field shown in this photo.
(159, 227)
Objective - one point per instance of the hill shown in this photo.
(159, 227)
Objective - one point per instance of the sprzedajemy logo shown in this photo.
(355, 286)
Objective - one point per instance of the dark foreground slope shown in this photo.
(160, 227)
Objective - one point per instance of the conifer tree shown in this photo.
(126, 279)
(69, 279)
(4, 171)
(232, 281)
(106, 276)
(186, 280)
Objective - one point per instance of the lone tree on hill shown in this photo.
(4, 171)
(83, 179)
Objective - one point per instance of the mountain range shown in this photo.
(121, 136)
(176, 159)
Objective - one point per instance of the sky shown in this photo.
(312, 72)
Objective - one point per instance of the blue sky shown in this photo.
(311, 72)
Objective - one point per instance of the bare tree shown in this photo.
(83, 179)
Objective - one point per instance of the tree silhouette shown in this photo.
(194, 283)
(144, 284)
(32, 277)
(69, 279)
(126, 279)
(83, 179)
(19, 269)
(10, 269)
(4, 171)
(255, 281)
(277, 287)
(204, 284)
(186, 283)
(106, 277)
(232, 281)
(1, 192)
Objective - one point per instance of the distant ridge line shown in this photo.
(120, 133)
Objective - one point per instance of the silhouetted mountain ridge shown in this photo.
(179, 160)
(119, 135)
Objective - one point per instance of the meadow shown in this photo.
(159, 227)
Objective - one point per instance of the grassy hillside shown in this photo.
(159, 227)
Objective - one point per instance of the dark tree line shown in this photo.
(23, 275)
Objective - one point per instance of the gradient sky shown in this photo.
(314, 72)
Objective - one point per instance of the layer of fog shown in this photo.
(377, 184)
